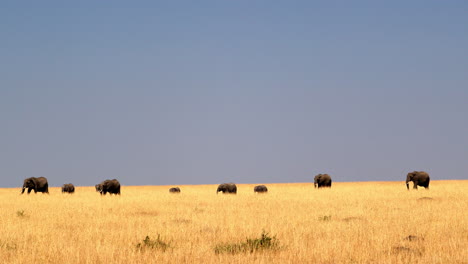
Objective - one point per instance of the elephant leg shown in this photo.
(415, 186)
(29, 190)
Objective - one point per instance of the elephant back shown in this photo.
(260, 189)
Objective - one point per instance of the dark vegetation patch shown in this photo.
(401, 250)
(251, 245)
(412, 247)
(425, 199)
(208, 229)
(352, 219)
(325, 218)
(182, 221)
(8, 245)
(148, 213)
(21, 214)
(153, 244)
(413, 238)
(198, 210)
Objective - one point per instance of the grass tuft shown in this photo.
(8, 246)
(20, 213)
(265, 242)
(157, 244)
(325, 218)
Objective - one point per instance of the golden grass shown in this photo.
(349, 223)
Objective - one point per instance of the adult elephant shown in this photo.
(260, 189)
(68, 188)
(108, 186)
(37, 184)
(174, 190)
(419, 178)
(227, 188)
(322, 180)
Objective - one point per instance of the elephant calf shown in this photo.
(174, 190)
(260, 189)
(68, 188)
(37, 184)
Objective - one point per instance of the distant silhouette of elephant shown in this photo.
(322, 180)
(37, 184)
(174, 190)
(419, 178)
(108, 186)
(260, 189)
(227, 188)
(68, 188)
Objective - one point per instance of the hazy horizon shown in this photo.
(182, 93)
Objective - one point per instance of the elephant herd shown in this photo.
(40, 184)
(227, 188)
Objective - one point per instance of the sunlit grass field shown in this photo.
(371, 222)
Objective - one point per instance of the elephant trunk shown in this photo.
(407, 185)
(23, 190)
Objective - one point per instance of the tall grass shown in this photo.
(349, 223)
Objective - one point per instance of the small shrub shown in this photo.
(8, 246)
(400, 250)
(157, 244)
(325, 218)
(20, 213)
(413, 238)
(265, 242)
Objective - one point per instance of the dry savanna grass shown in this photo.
(350, 223)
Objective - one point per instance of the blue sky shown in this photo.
(204, 92)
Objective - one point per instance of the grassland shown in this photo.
(350, 223)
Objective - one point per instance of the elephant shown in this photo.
(322, 180)
(108, 186)
(227, 188)
(260, 189)
(37, 184)
(68, 188)
(420, 178)
(174, 190)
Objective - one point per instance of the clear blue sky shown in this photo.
(204, 92)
